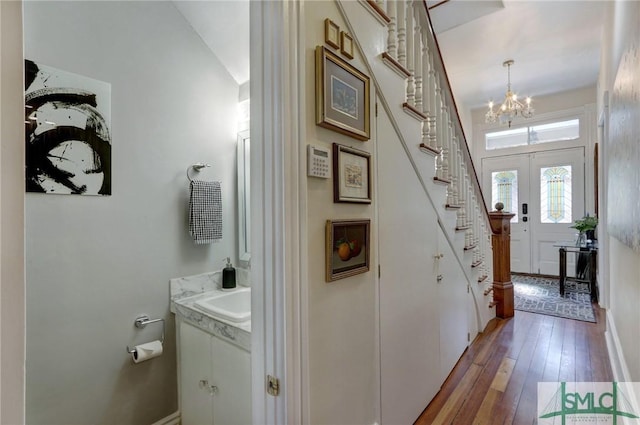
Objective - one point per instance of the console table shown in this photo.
(591, 254)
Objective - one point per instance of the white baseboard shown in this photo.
(616, 356)
(173, 419)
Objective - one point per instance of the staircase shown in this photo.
(413, 88)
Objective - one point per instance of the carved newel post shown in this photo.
(501, 242)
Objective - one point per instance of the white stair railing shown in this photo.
(413, 47)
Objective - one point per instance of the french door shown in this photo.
(546, 192)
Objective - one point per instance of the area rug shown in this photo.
(541, 295)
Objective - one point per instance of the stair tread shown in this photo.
(373, 5)
(429, 149)
(441, 181)
(412, 111)
(392, 63)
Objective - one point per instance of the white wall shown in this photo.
(342, 330)
(12, 294)
(95, 263)
(621, 34)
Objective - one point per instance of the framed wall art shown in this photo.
(346, 45)
(331, 33)
(347, 248)
(342, 96)
(351, 175)
(68, 132)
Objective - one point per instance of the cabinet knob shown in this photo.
(204, 385)
(439, 278)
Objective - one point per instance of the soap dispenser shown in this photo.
(228, 276)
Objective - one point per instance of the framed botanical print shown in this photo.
(351, 175)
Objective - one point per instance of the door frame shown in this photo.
(528, 166)
(278, 217)
(12, 261)
(586, 113)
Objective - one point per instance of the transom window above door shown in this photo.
(532, 135)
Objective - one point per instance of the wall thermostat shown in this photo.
(318, 162)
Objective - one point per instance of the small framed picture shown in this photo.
(331, 33)
(342, 96)
(351, 175)
(347, 248)
(346, 45)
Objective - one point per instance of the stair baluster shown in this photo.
(392, 46)
(417, 56)
(411, 88)
(401, 30)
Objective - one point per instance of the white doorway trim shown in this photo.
(12, 275)
(278, 215)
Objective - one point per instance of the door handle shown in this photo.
(525, 208)
(439, 278)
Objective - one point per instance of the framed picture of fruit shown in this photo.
(351, 175)
(347, 248)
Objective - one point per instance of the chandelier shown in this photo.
(510, 107)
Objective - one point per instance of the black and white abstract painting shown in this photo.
(68, 140)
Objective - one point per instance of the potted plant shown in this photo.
(586, 226)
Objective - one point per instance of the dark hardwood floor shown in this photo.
(495, 382)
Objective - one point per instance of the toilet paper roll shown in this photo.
(147, 351)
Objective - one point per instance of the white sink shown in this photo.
(234, 306)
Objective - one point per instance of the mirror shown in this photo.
(244, 197)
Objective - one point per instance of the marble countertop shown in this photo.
(186, 291)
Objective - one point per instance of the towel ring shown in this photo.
(197, 167)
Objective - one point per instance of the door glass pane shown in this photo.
(555, 194)
(504, 188)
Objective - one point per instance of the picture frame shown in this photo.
(347, 248)
(346, 44)
(342, 96)
(331, 33)
(351, 175)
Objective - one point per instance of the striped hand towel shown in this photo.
(205, 212)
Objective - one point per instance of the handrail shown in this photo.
(459, 128)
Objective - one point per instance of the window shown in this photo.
(543, 133)
(504, 188)
(555, 194)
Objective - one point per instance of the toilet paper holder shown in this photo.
(141, 322)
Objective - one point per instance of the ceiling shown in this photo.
(555, 45)
(224, 27)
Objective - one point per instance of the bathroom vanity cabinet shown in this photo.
(215, 379)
